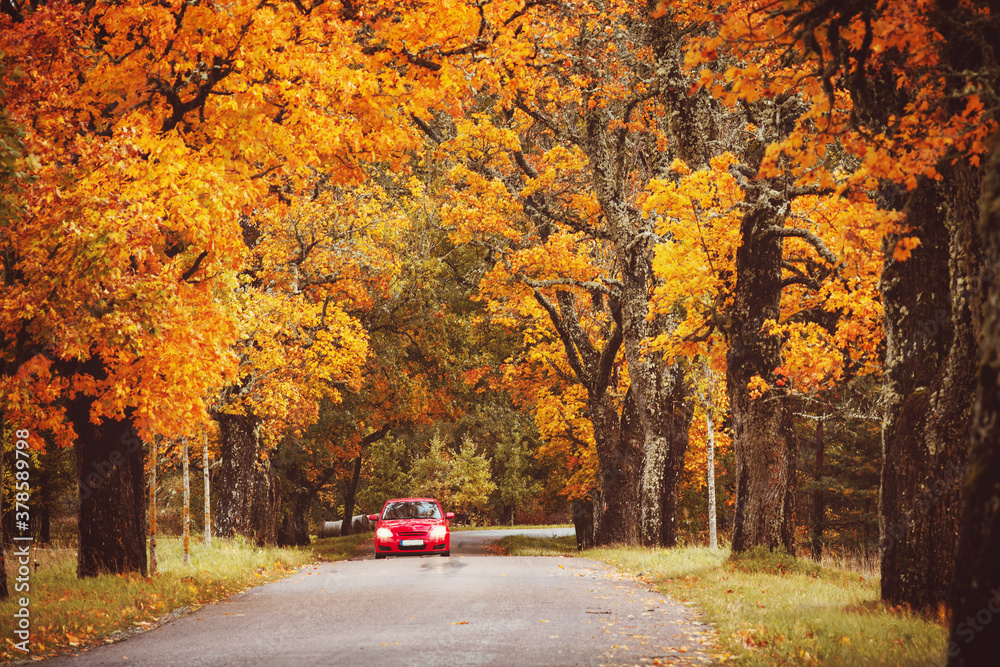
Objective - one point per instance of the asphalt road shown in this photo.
(469, 609)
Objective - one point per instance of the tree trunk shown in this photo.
(617, 439)
(583, 524)
(208, 493)
(187, 501)
(666, 430)
(349, 497)
(619, 460)
(152, 506)
(929, 388)
(294, 529)
(818, 497)
(111, 477)
(713, 539)
(3, 573)
(657, 424)
(246, 500)
(975, 595)
(764, 441)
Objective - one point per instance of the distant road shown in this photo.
(477, 542)
(469, 609)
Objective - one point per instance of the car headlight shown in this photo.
(383, 534)
(439, 532)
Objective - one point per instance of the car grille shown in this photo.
(411, 533)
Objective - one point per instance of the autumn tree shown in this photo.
(311, 262)
(901, 88)
(159, 129)
(758, 290)
(910, 91)
(12, 171)
(408, 287)
(548, 166)
(105, 278)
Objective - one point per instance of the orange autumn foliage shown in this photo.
(156, 129)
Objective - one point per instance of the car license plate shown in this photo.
(411, 543)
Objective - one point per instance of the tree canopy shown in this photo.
(517, 253)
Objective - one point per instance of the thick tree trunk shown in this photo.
(930, 303)
(668, 421)
(111, 478)
(975, 595)
(657, 425)
(818, 496)
(246, 500)
(619, 456)
(350, 495)
(764, 441)
(294, 528)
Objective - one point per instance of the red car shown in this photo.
(412, 526)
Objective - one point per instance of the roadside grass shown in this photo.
(521, 545)
(339, 548)
(68, 613)
(773, 609)
(455, 527)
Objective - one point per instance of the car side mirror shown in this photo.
(449, 515)
(373, 517)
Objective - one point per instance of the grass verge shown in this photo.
(772, 609)
(68, 613)
(521, 545)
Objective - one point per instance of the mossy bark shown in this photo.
(112, 491)
(975, 594)
(245, 495)
(763, 437)
(931, 309)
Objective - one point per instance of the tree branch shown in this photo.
(804, 234)
(571, 354)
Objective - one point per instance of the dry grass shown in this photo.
(772, 609)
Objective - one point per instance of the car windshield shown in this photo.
(411, 509)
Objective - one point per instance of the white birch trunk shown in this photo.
(713, 542)
(208, 495)
(187, 502)
(152, 508)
